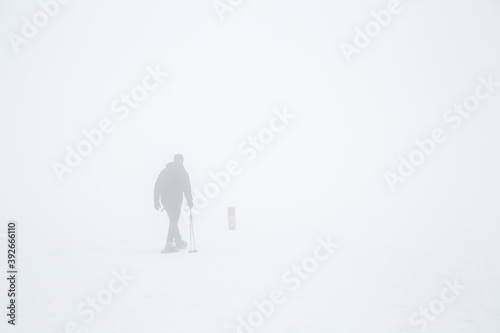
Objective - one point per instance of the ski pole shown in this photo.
(191, 238)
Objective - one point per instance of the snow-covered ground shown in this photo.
(381, 273)
(322, 242)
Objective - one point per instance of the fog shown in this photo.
(327, 128)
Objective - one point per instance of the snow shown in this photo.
(371, 281)
(318, 176)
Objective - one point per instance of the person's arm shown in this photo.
(157, 191)
(187, 191)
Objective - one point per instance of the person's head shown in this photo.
(178, 158)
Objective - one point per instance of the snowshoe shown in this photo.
(181, 244)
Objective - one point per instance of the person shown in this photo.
(170, 185)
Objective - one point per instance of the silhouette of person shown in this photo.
(170, 185)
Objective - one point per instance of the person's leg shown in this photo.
(178, 212)
(174, 212)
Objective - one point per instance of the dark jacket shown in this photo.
(172, 182)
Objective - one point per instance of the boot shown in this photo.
(170, 248)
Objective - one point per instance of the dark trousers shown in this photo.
(174, 212)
